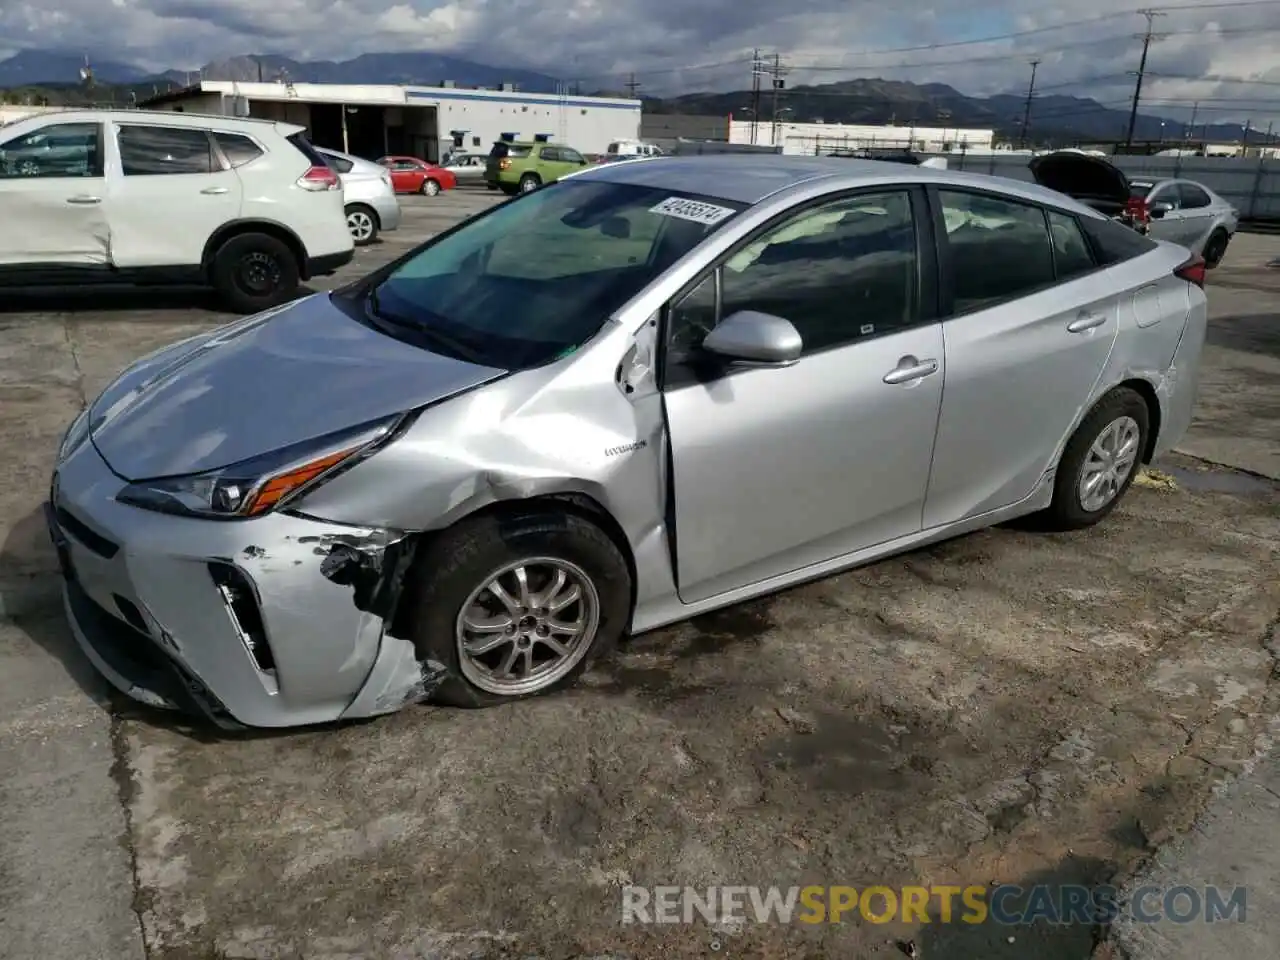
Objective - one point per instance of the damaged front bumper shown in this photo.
(277, 621)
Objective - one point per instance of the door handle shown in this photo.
(84, 200)
(1086, 322)
(909, 368)
(213, 191)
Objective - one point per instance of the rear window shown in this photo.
(1113, 242)
(338, 163)
(501, 150)
(1138, 189)
(238, 149)
(304, 147)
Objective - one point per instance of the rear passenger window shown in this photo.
(1071, 254)
(1113, 242)
(160, 151)
(1000, 249)
(1192, 197)
(237, 149)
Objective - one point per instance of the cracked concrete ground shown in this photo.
(1005, 707)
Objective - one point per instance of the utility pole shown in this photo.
(1026, 113)
(1142, 70)
(778, 84)
(633, 85)
(756, 69)
(1191, 127)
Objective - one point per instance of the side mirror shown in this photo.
(755, 339)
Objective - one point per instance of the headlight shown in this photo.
(259, 485)
(75, 435)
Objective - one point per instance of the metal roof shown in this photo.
(750, 178)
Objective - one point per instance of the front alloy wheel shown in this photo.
(527, 626)
(516, 603)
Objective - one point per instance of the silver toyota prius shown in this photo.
(650, 390)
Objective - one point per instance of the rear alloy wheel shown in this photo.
(430, 188)
(1215, 248)
(1100, 461)
(363, 224)
(529, 182)
(518, 606)
(253, 272)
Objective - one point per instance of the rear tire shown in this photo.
(530, 182)
(1099, 462)
(362, 221)
(430, 188)
(452, 577)
(253, 272)
(1215, 248)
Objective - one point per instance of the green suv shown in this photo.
(521, 167)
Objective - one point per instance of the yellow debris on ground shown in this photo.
(1155, 480)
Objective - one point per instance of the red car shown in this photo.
(411, 175)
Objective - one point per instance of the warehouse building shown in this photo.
(374, 120)
(821, 138)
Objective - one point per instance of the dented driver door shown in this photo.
(52, 192)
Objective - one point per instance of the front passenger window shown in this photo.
(1000, 249)
(840, 272)
(56, 150)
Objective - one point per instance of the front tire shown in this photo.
(1100, 461)
(254, 272)
(363, 224)
(430, 188)
(517, 606)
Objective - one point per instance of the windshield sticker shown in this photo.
(693, 210)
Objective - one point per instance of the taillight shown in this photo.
(1137, 208)
(504, 164)
(320, 178)
(1193, 271)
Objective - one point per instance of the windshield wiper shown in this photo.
(426, 333)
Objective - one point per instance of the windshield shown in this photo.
(537, 277)
(1139, 189)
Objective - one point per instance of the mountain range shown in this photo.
(55, 75)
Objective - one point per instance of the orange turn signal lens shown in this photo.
(283, 484)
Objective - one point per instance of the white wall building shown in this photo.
(374, 120)
(821, 138)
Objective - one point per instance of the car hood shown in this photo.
(1081, 176)
(292, 374)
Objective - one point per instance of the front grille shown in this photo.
(78, 529)
(242, 604)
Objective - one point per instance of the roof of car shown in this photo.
(750, 178)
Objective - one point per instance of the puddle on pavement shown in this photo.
(1220, 481)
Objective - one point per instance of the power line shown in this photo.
(757, 69)
(1026, 113)
(1142, 69)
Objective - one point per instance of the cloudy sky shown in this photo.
(1086, 48)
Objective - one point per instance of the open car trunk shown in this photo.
(1091, 180)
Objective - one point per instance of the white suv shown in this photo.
(245, 206)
